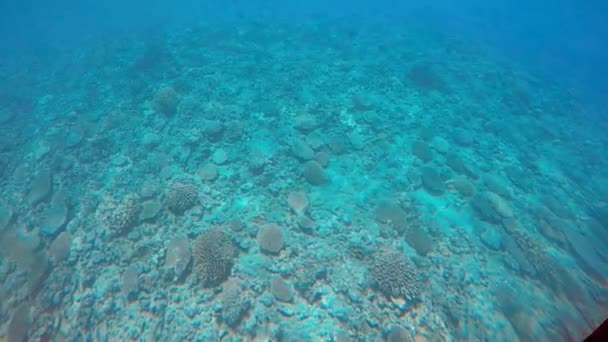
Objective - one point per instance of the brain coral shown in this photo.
(214, 255)
(395, 274)
(181, 196)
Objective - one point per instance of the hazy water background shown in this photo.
(564, 38)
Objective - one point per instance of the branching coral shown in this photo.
(395, 274)
(235, 303)
(123, 218)
(181, 196)
(214, 254)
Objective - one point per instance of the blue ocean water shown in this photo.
(327, 171)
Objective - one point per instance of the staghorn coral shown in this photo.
(395, 274)
(214, 254)
(181, 196)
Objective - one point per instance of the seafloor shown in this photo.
(297, 182)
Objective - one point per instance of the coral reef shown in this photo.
(319, 180)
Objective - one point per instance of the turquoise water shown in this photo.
(247, 172)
